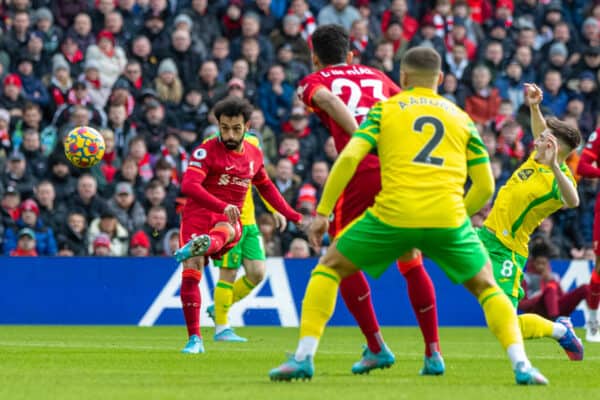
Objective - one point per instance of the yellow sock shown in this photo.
(223, 300)
(533, 326)
(319, 301)
(500, 316)
(241, 288)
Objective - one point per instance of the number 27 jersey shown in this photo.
(359, 87)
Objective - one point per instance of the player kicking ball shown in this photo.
(216, 183)
(249, 253)
(422, 139)
(540, 186)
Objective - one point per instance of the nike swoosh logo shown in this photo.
(229, 168)
(364, 296)
(424, 310)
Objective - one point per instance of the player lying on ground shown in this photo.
(216, 183)
(360, 87)
(540, 186)
(422, 139)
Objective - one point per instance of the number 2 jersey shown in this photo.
(359, 87)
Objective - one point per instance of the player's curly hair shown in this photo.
(232, 107)
(331, 43)
(565, 132)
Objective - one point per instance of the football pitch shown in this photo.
(47, 362)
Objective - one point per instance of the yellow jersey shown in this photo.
(530, 195)
(247, 216)
(425, 144)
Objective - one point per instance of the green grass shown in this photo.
(144, 363)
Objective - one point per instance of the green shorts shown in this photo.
(507, 265)
(250, 247)
(373, 245)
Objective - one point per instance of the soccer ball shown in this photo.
(84, 147)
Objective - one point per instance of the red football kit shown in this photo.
(586, 167)
(359, 87)
(217, 177)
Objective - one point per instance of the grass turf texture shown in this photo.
(41, 362)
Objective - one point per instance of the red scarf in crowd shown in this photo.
(23, 253)
(183, 158)
(75, 58)
(145, 168)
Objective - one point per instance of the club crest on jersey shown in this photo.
(525, 174)
(199, 154)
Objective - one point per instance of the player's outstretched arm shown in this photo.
(191, 186)
(589, 157)
(269, 191)
(336, 109)
(534, 97)
(482, 188)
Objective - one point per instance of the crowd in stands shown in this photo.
(146, 74)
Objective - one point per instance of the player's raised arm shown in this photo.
(336, 109)
(344, 167)
(480, 172)
(534, 97)
(587, 166)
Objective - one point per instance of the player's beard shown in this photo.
(232, 144)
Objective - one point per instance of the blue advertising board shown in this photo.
(145, 292)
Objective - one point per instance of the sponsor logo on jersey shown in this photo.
(525, 174)
(196, 164)
(226, 179)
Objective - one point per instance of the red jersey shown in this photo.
(359, 87)
(588, 163)
(216, 177)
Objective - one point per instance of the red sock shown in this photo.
(594, 295)
(190, 300)
(550, 295)
(422, 298)
(219, 235)
(357, 296)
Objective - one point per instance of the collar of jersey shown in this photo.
(420, 89)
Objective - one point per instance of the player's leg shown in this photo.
(507, 267)
(218, 237)
(461, 255)
(190, 303)
(363, 238)
(228, 265)
(253, 253)
(421, 293)
(593, 299)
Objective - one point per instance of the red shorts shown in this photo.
(203, 225)
(596, 234)
(356, 198)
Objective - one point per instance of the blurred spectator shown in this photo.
(156, 229)
(155, 195)
(52, 212)
(399, 11)
(484, 100)
(108, 225)
(186, 58)
(268, 141)
(192, 115)
(338, 12)
(10, 206)
(168, 174)
(17, 175)
(298, 249)
(87, 198)
(383, 60)
(127, 209)
(511, 85)
(257, 67)
(268, 21)
(141, 51)
(275, 97)
(15, 39)
(289, 148)
(557, 243)
(206, 25)
(12, 97)
(291, 35)
(26, 244)
(171, 242)
(139, 152)
(212, 90)
(220, 54)
(555, 98)
(59, 175)
(168, 85)
(426, 36)
(102, 246)
(251, 29)
(139, 245)
(270, 237)
(45, 243)
(308, 23)
(33, 88)
(73, 235)
(81, 31)
(286, 182)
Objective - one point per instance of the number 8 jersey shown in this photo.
(359, 87)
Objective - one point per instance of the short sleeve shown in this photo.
(307, 88)
(476, 151)
(370, 128)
